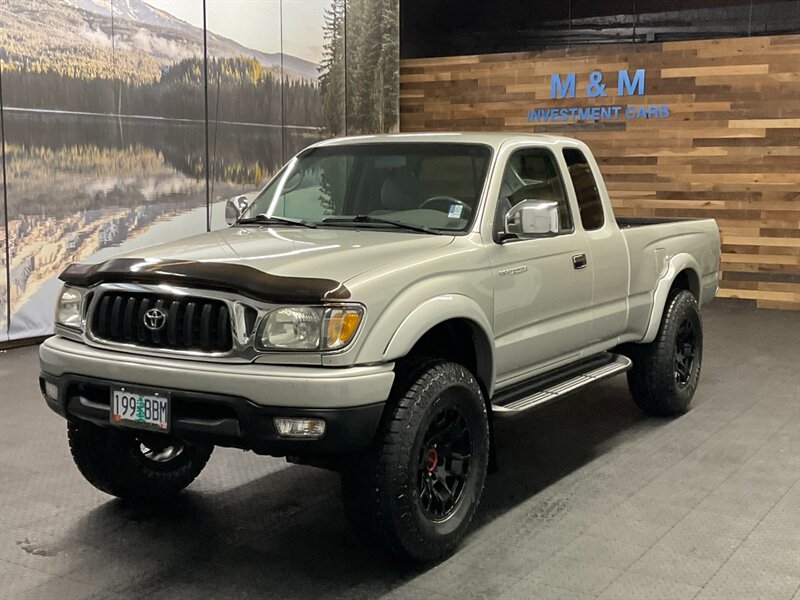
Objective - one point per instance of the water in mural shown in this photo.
(105, 121)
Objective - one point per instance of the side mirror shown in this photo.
(533, 218)
(234, 208)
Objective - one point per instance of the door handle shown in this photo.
(579, 261)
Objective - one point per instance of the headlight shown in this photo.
(310, 328)
(68, 308)
(292, 328)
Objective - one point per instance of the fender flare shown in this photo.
(679, 262)
(435, 311)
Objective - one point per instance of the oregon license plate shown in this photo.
(138, 407)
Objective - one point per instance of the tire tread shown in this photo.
(651, 379)
(368, 502)
(101, 455)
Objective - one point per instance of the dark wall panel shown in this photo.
(452, 27)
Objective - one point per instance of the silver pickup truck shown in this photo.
(374, 309)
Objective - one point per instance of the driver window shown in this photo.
(532, 174)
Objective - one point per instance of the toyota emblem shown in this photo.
(155, 319)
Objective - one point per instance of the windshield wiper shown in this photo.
(371, 219)
(265, 219)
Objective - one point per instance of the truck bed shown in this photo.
(651, 242)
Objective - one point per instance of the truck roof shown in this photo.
(494, 138)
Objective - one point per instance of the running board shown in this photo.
(545, 388)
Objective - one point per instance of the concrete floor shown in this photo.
(592, 499)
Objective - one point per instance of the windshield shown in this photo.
(431, 186)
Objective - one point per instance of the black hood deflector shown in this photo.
(232, 277)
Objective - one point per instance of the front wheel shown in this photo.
(416, 491)
(134, 466)
(666, 371)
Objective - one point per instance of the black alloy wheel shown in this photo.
(685, 345)
(666, 371)
(158, 450)
(414, 492)
(444, 464)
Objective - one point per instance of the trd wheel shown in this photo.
(444, 459)
(415, 492)
(134, 465)
(666, 371)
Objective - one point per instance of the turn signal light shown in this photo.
(341, 325)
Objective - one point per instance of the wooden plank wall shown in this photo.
(730, 148)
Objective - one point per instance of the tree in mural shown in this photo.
(359, 71)
(331, 69)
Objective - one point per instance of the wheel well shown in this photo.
(687, 280)
(460, 341)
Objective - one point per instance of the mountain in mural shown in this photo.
(74, 38)
(132, 10)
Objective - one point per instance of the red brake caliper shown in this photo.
(431, 460)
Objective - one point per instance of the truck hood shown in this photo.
(269, 263)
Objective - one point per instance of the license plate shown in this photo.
(141, 408)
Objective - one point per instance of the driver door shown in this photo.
(542, 294)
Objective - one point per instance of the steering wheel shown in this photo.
(450, 201)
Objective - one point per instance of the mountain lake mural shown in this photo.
(104, 120)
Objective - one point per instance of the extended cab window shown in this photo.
(590, 205)
(532, 174)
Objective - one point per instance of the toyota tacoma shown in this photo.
(374, 309)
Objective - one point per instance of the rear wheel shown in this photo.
(134, 465)
(416, 491)
(666, 371)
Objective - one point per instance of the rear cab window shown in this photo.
(590, 204)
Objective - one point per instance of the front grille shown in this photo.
(200, 324)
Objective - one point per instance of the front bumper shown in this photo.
(267, 385)
(225, 404)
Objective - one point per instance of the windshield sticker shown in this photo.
(455, 211)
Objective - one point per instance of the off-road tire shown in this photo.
(382, 487)
(112, 460)
(658, 386)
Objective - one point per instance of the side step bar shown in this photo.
(545, 388)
